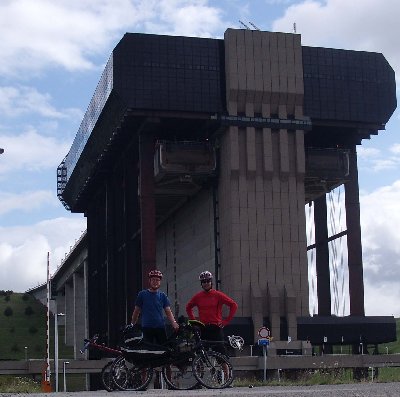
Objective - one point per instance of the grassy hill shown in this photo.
(23, 329)
(393, 347)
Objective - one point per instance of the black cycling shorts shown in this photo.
(154, 335)
(214, 333)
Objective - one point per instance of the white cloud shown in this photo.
(23, 251)
(376, 160)
(189, 18)
(395, 148)
(31, 151)
(365, 25)
(381, 299)
(367, 153)
(68, 33)
(62, 33)
(20, 100)
(25, 201)
(380, 217)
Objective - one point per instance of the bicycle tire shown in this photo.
(180, 376)
(208, 368)
(106, 377)
(130, 377)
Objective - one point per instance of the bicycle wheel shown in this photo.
(213, 370)
(128, 376)
(180, 376)
(106, 377)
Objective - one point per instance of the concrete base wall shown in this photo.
(185, 247)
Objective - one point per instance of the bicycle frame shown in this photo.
(93, 343)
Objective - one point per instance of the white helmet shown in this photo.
(205, 276)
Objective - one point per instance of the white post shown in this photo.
(56, 346)
(265, 362)
(56, 349)
(65, 378)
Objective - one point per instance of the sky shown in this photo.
(52, 55)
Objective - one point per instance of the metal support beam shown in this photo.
(147, 203)
(352, 203)
(322, 257)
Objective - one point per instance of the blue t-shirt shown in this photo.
(152, 305)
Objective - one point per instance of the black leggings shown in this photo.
(214, 333)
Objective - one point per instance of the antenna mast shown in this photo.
(254, 26)
(244, 25)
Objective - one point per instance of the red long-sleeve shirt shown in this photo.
(209, 305)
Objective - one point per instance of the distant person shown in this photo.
(151, 304)
(209, 303)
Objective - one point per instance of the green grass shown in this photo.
(16, 333)
(18, 384)
(393, 347)
(319, 377)
(16, 330)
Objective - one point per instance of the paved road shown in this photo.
(351, 390)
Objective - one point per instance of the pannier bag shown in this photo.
(143, 351)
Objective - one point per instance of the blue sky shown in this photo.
(52, 55)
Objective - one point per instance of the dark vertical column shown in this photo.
(147, 204)
(352, 203)
(132, 241)
(322, 257)
(112, 271)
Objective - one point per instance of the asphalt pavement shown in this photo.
(364, 389)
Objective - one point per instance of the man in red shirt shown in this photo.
(209, 304)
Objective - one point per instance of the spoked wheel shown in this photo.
(128, 376)
(213, 370)
(106, 377)
(180, 376)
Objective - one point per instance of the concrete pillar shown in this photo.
(79, 313)
(69, 313)
(261, 185)
(257, 310)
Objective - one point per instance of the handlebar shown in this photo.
(236, 342)
(85, 346)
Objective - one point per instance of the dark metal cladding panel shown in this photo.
(170, 73)
(348, 85)
(353, 329)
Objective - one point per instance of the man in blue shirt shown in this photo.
(152, 304)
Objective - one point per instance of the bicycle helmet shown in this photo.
(205, 276)
(155, 273)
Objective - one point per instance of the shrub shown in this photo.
(7, 298)
(8, 311)
(25, 297)
(12, 330)
(14, 348)
(33, 329)
(29, 310)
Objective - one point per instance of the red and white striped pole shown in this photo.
(46, 385)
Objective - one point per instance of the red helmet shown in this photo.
(205, 276)
(155, 273)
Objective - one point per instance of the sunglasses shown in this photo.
(205, 281)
